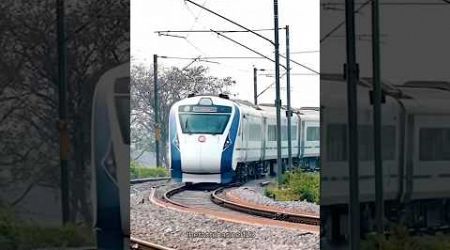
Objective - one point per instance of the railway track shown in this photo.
(141, 180)
(137, 244)
(264, 212)
(210, 199)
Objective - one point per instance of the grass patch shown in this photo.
(296, 185)
(138, 170)
(401, 239)
(18, 234)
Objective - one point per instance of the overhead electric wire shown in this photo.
(231, 21)
(209, 31)
(254, 51)
(337, 27)
(394, 3)
(196, 18)
(301, 65)
(305, 52)
(270, 85)
(444, 2)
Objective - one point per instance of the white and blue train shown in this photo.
(217, 140)
(110, 158)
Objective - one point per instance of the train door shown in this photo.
(302, 140)
(245, 137)
(263, 138)
(431, 157)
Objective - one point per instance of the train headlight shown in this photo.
(227, 143)
(176, 142)
(109, 164)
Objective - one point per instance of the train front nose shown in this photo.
(201, 154)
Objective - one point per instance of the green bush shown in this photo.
(401, 239)
(296, 185)
(138, 170)
(17, 234)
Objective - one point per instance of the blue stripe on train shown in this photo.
(226, 161)
(175, 156)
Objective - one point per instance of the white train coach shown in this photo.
(217, 140)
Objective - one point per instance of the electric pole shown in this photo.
(288, 100)
(352, 80)
(255, 86)
(64, 137)
(376, 97)
(157, 127)
(277, 91)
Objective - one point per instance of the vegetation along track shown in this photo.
(142, 180)
(211, 198)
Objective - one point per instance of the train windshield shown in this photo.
(203, 123)
(122, 105)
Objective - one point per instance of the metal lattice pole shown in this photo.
(64, 137)
(277, 90)
(288, 100)
(352, 80)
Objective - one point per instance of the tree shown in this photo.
(174, 84)
(97, 40)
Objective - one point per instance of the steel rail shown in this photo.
(146, 245)
(264, 212)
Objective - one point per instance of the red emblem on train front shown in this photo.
(201, 138)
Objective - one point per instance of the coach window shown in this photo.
(313, 134)
(271, 133)
(336, 142)
(434, 144)
(255, 132)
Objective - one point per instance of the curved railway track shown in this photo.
(210, 200)
(302, 218)
(138, 244)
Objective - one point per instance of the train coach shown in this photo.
(213, 139)
(415, 135)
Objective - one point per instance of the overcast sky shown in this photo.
(148, 16)
(415, 41)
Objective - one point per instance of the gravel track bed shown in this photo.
(174, 229)
(255, 194)
(145, 186)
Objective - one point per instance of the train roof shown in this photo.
(306, 112)
(426, 97)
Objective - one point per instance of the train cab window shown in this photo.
(434, 144)
(122, 105)
(203, 123)
(313, 133)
